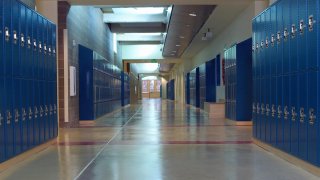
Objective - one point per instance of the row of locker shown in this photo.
(29, 43)
(285, 38)
(125, 89)
(28, 115)
(202, 85)
(238, 81)
(286, 78)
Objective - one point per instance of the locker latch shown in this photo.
(15, 37)
(302, 115)
(279, 112)
(30, 113)
(46, 111)
(267, 110)
(36, 112)
(285, 34)
(41, 111)
(1, 119)
(9, 117)
(301, 27)
(16, 115)
(267, 42)
(278, 37)
(55, 109)
(22, 41)
(272, 40)
(40, 46)
(262, 44)
(7, 34)
(253, 108)
(253, 48)
(312, 117)
(51, 110)
(35, 45)
(54, 51)
(311, 22)
(49, 50)
(262, 109)
(24, 114)
(294, 114)
(257, 46)
(258, 108)
(45, 48)
(286, 112)
(293, 31)
(29, 42)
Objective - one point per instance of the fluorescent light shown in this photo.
(139, 10)
(193, 14)
(181, 37)
(178, 45)
(143, 34)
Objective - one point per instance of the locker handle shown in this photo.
(293, 31)
(301, 27)
(285, 34)
(40, 46)
(55, 109)
(29, 42)
(22, 40)
(278, 37)
(34, 45)
(302, 115)
(9, 117)
(30, 113)
(258, 108)
(51, 109)
(7, 33)
(36, 112)
(253, 48)
(49, 49)
(272, 39)
(41, 111)
(15, 37)
(45, 48)
(312, 117)
(262, 109)
(311, 22)
(253, 108)
(24, 114)
(267, 42)
(279, 112)
(294, 114)
(286, 112)
(267, 110)
(54, 51)
(257, 46)
(46, 111)
(16, 115)
(262, 44)
(1, 119)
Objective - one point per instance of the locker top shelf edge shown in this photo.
(22, 3)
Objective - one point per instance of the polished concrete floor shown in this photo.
(155, 140)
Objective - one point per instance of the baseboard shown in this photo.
(23, 156)
(288, 157)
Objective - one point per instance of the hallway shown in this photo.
(156, 140)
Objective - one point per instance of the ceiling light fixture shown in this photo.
(204, 37)
(209, 34)
(187, 25)
(193, 14)
(178, 45)
(174, 51)
(181, 37)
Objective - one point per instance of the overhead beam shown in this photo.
(139, 38)
(125, 18)
(155, 2)
(118, 28)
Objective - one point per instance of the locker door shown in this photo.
(280, 127)
(263, 109)
(303, 111)
(22, 42)
(2, 120)
(273, 41)
(54, 52)
(280, 38)
(41, 111)
(16, 99)
(29, 62)
(2, 62)
(286, 36)
(55, 111)
(294, 113)
(7, 29)
(36, 127)
(30, 112)
(24, 120)
(273, 138)
(35, 67)
(268, 74)
(294, 33)
(16, 65)
(312, 121)
(286, 113)
(51, 115)
(40, 47)
(9, 125)
(302, 37)
(46, 110)
(312, 34)
(258, 120)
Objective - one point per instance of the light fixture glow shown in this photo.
(178, 45)
(181, 37)
(209, 34)
(143, 34)
(193, 14)
(139, 10)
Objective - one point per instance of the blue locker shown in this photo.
(312, 121)
(286, 113)
(50, 101)
(54, 36)
(273, 101)
(7, 29)
(29, 62)
(294, 128)
(9, 121)
(273, 40)
(24, 116)
(286, 36)
(16, 65)
(268, 74)
(2, 62)
(35, 55)
(294, 33)
(258, 40)
(40, 47)
(280, 124)
(30, 112)
(16, 104)
(55, 111)
(2, 120)
(258, 110)
(312, 34)
(42, 119)
(46, 110)
(302, 37)
(280, 38)
(49, 61)
(303, 110)
(22, 42)
(36, 108)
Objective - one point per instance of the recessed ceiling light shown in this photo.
(174, 51)
(178, 45)
(193, 14)
(187, 25)
(181, 37)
